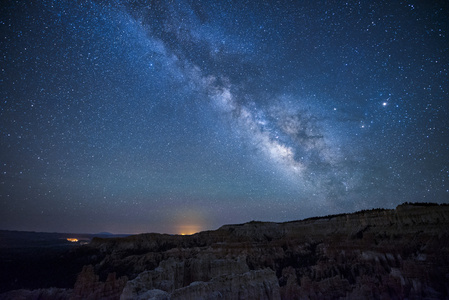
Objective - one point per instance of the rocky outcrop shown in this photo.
(201, 275)
(401, 253)
(89, 287)
(174, 273)
(388, 254)
(260, 284)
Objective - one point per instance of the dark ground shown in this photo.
(31, 260)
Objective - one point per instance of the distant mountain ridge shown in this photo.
(381, 253)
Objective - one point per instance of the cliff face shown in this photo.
(393, 254)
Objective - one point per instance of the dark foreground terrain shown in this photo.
(377, 254)
(34, 260)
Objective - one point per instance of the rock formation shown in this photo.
(89, 287)
(388, 254)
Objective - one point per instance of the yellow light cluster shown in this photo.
(188, 229)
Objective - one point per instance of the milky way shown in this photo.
(178, 116)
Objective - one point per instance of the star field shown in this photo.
(178, 116)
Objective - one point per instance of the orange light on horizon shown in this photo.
(188, 221)
(73, 240)
(188, 229)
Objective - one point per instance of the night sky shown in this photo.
(178, 116)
